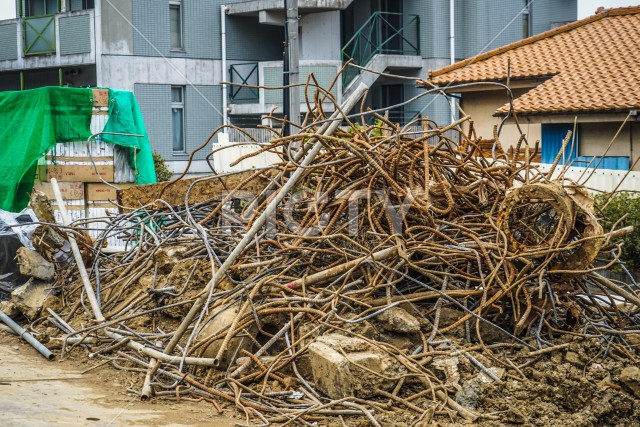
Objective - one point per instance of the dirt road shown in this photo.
(36, 392)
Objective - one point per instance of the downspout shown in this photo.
(223, 38)
(452, 47)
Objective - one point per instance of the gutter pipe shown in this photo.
(223, 40)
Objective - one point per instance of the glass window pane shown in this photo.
(178, 129)
(175, 26)
(176, 94)
(52, 6)
(36, 8)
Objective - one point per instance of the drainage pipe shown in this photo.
(22, 333)
(223, 41)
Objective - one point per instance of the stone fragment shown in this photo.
(220, 323)
(9, 308)
(32, 264)
(30, 297)
(630, 377)
(348, 366)
(472, 389)
(399, 321)
(573, 359)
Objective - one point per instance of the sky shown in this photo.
(585, 7)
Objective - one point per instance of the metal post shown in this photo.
(21, 80)
(294, 58)
(60, 76)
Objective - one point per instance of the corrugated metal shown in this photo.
(552, 137)
(600, 179)
(8, 42)
(75, 34)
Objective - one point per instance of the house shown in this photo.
(170, 53)
(585, 72)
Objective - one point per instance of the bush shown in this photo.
(162, 171)
(619, 205)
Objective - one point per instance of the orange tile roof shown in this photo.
(591, 65)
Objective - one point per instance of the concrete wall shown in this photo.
(320, 36)
(117, 32)
(481, 105)
(595, 137)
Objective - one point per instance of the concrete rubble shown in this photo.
(378, 274)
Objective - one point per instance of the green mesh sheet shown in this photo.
(125, 117)
(31, 123)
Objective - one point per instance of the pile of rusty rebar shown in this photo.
(222, 299)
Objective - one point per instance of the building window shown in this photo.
(526, 19)
(40, 7)
(177, 118)
(175, 25)
(75, 5)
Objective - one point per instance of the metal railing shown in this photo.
(244, 74)
(39, 35)
(383, 33)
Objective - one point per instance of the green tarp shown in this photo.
(125, 117)
(33, 121)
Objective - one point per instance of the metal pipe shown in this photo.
(223, 41)
(97, 312)
(327, 129)
(22, 333)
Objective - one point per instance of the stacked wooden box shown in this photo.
(82, 168)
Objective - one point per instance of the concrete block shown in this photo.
(398, 320)
(345, 366)
(32, 264)
(30, 297)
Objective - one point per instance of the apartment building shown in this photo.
(170, 53)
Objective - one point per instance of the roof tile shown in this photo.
(590, 65)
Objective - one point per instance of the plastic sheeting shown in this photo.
(31, 123)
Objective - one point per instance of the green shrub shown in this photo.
(619, 205)
(162, 170)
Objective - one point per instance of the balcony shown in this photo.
(251, 101)
(49, 41)
(384, 33)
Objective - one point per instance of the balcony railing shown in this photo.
(39, 35)
(383, 33)
(244, 74)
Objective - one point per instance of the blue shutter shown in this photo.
(552, 136)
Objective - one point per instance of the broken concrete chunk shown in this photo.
(30, 297)
(630, 377)
(398, 320)
(32, 264)
(219, 323)
(345, 366)
(472, 389)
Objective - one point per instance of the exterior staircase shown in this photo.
(385, 41)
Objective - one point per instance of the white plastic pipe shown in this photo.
(95, 307)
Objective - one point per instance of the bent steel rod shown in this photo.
(332, 125)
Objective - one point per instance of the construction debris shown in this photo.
(375, 272)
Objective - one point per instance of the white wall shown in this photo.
(320, 36)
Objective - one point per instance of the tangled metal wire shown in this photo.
(383, 217)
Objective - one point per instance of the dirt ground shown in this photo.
(36, 392)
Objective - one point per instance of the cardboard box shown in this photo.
(79, 173)
(103, 192)
(100, 97)
(69, 190)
